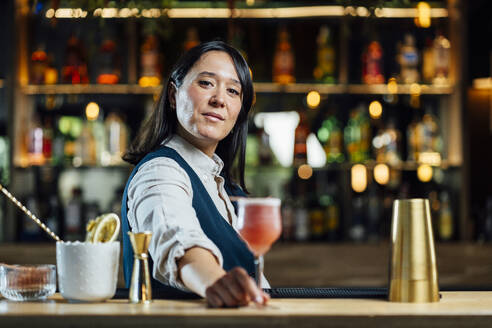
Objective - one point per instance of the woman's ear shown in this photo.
(171, 95)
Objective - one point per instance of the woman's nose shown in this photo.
(217, 99)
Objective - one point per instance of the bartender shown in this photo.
(180, 187)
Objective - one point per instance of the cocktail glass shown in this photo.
(260, 225)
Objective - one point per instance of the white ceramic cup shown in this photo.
(87, 271)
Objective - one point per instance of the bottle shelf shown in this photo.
(89, 89)
(260, 87)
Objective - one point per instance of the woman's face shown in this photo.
(209, 101)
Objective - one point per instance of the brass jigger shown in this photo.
(413, 271)
(140, 288)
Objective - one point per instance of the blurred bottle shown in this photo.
(372, 63)
(108, 62)
(357, 230)
(408, 58)
(192, 39)
(331, 138)
(74, 217)
(29, 230)
(39, 63)
(325, 68)
(53, 219)
(252, 150)
(117, 133)
(237, 40)
(442, 55)
(428, 61)
(316, 216)
(374, 212)
(357, 135)
(283, 59)
(301, 133)
(301, 220)
(35, 142)
(48, 140)
(75, 68)
(50, 73)
(446, 223)
(85, 147)
(288, 219)
(387, 144)
(265, 154)
(150, 66)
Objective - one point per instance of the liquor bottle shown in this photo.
(48, 140)
(408, 59)
(428, 61)
(446, 224)
(192, 39)
(283, 59)
(357, 135)
(325, 69)
(117, 133)
(75, 68)
(108, 63)
(357, 230)
(300, 138)
(39, 63)
(265, 154)
(392, 145)
(316, 210)
(53, 219)
(35, 143)
(373, 214)
(442, 57)
(372, 63)
(85, 147)
(29, 229)
(413, 139)
(288, 219)
(331, 138)
(150, 67)
(237, 40)
(252, 150)
(58, 146)
(50, 73)
(431, 137)
(74, 216)
(301, 220)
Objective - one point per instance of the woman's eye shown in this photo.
(234, 92)
(204, 83)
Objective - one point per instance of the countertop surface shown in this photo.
(456, 309)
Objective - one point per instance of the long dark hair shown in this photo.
(162, 123)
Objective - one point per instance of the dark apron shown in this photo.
(234, 250)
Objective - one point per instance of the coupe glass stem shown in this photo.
(259, 269)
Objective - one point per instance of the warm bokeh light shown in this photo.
(359, 177)
(375, 109)
(392, 86)
(305, 171)
(415, 89)
(424, 173)
(423, 18)
(149, 81)
(313, 99)
(92, 111)
(250, 2)
(381, 173)
(430, 158)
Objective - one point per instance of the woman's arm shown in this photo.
(200, 272)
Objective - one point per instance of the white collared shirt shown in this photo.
(160, 199)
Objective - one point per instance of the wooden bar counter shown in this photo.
(456, 309)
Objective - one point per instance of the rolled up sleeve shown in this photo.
(160, 200)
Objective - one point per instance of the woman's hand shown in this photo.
(235, 288)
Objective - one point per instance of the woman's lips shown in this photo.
(213, 116)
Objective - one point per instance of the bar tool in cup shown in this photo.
(140, 288)
(413, 271)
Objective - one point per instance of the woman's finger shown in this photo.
(222, 290)
(213, 299)
(235, 289)
(249, 286)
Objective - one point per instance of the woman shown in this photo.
(181, 185)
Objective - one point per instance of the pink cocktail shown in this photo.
(260, 225)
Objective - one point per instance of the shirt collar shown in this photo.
(197, 159)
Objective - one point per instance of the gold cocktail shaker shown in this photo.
(140, 288)
(413, 271)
